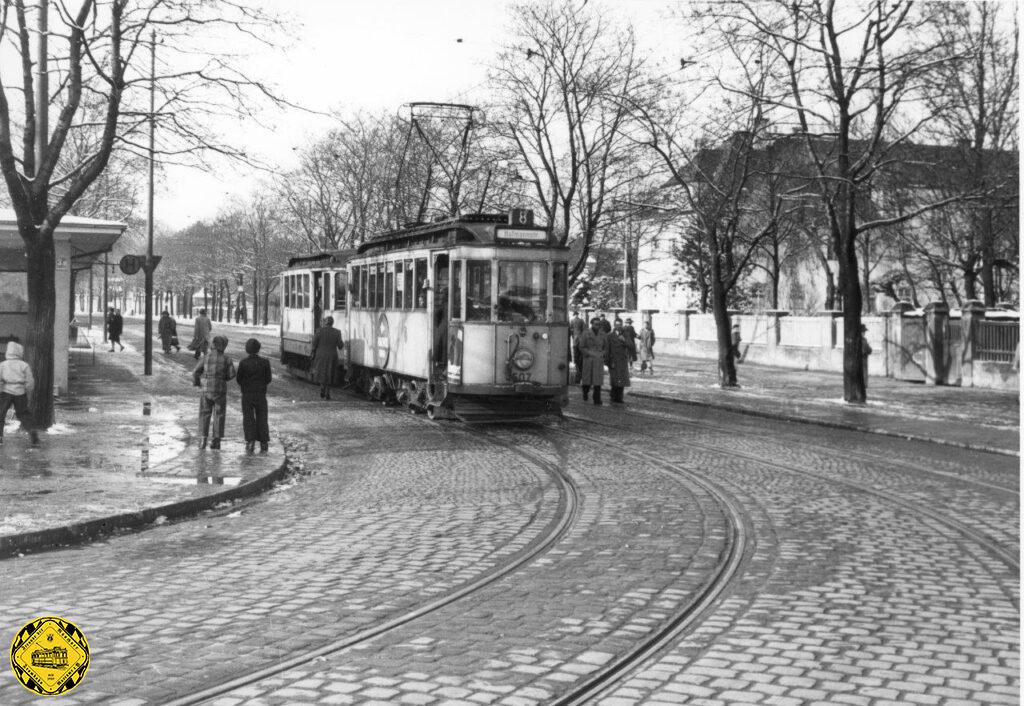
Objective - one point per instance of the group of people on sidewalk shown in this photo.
(616, 346)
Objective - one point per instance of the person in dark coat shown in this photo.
(736, 339)
(253, 376)
(865, 351)
(201, 335)
(606, 326)
(167, 329)
(619, 355)
(326, 344)
(115, 327)
(594, 351)
(630, 333)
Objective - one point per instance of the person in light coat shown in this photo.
(593, 351)
(16, 384)
(646, 352)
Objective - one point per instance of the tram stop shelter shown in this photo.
(78, 242)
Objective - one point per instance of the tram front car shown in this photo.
(492, 341)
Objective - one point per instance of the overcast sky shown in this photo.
(369, 54)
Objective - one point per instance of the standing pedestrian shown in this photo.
(253, 377)
(326, 344)
(212, 375)
(735, 349)
(618, 358)
(646, 352)
(115, 328)
(16, 384)
(576, 328)
(606, 327)
(630, 333)
(865, 351)
(167, 329)
(594, 351)
(201, 334)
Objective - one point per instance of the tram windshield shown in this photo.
(522, 291)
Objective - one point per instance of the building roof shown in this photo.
(88, 237)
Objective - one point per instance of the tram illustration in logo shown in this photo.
(50, 656)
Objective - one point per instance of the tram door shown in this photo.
(440, 314)
(318, 299)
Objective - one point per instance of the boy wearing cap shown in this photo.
(253, 377)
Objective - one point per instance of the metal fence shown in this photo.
(997, 340)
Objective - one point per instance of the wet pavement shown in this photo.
(122, 442)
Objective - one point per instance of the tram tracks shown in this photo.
(565, 515)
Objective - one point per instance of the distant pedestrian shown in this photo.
(736, 339)
(594, 351)
(646, 349)
(16, 384)
(115, 328)
(630, 334)
(211, 376)
(326, 344)
(606, 326)
(865, 351)
(201, 334)
(576, 328)
(619, 353)
(253, 377)
(106, 323)
(167, 329)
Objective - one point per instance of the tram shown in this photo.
(464, 317)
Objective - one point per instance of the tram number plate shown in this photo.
(521, 377)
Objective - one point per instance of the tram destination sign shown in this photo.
(532, 235)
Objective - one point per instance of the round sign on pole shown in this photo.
(130, 264)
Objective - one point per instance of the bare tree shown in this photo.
(560, 86)
(95, 51)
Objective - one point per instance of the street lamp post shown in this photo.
(150, 264)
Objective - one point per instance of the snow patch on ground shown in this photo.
(57, 429)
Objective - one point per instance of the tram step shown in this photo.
(504, 411)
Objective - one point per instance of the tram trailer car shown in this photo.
(464, 316)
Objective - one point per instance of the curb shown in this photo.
(739, 409)
(88, 530)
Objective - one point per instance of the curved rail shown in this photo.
(726, 570)
(566, 515)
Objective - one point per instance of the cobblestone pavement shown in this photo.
(874, 569)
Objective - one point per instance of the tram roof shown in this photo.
(480, 228)
(331, 257)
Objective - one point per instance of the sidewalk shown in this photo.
(121, 454)
(965, 417)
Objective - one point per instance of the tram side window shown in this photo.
(410, 288)
(286, 290)
(339, 290)
(354, 284)
(380, 284)
(307, 300)
(522, 291)
(399, 284)
(421, 283)
(478, 290)
(456, 289)
(559, 292)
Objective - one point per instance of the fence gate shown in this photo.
(911, 355)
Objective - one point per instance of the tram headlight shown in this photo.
(522, 358)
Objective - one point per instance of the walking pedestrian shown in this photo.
(167, 329)
(594, 351)
(115, 328)
(326, 344)
(646, 352)
(253, 377)
(618, 359)
(211, 376)
(106, 323)
(201, 334)
(865, 351)
(736, 339)
(630, 333)
(16, 384)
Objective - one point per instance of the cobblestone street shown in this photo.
(651, 553)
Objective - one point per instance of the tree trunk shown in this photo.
(40, 263)
(854, 384)
(720, 309)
